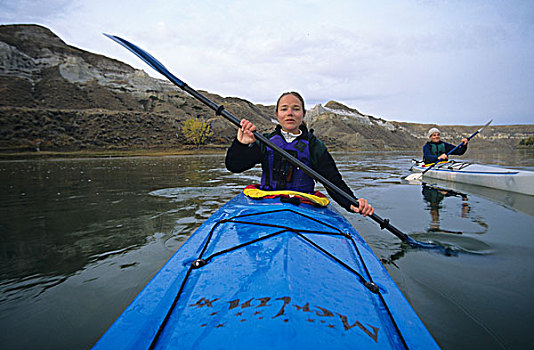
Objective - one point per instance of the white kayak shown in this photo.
(512, 180)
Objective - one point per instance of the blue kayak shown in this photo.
(268, 274)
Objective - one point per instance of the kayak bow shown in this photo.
(267, 274)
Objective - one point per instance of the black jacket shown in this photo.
(240, 158)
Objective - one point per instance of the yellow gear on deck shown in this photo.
(257, 193)
(438, 163)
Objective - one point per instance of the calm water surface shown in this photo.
(80, 238)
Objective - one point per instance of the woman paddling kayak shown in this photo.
(437, 150)
(293, 136)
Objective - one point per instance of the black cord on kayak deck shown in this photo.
(200, 262)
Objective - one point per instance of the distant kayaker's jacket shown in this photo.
(432, 150)
(278, 173)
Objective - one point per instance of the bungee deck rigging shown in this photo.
(201, 262)
(453, 165)
(264, 274)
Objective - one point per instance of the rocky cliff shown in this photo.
(64, 98)
(57, 97)
(349, 128)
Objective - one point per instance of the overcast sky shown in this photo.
(444, 62)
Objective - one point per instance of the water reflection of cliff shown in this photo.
(59, 216)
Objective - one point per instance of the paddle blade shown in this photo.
(484, 127)
(414, 177)
(147, 58)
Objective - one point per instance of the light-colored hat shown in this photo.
(433, 130)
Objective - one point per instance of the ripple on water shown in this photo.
(176, 192)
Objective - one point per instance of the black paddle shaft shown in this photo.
(219, 110)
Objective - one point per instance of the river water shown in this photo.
(79, 238)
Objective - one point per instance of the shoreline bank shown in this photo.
(29, 155)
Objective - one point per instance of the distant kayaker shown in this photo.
(435, 149)
(292, 136)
